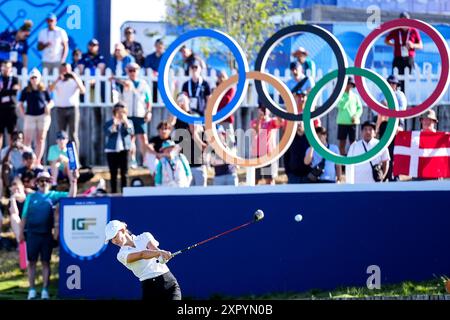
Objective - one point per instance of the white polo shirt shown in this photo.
(146, 268)
(362, 173)
(56, 37)
(67, 94)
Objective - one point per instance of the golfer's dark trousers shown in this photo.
(162, 288)
(116, 161)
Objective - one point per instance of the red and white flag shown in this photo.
(422, 154)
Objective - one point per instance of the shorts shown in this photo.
(346, 130)
(8, 119)
(139, 124)
(39, 245)
(40, 123)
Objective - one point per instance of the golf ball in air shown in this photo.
(298, 217)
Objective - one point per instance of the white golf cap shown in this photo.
(35, 73)
(112, 228)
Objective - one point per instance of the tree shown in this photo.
(247, 21)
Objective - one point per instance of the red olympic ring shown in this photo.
(442, 84)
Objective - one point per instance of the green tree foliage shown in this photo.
(247, 21)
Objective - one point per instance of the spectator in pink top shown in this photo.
(264, 141)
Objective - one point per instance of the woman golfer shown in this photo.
(140, 254)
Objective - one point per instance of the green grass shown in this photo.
(14, 285)
(14, 282)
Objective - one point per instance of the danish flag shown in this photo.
(422, 154)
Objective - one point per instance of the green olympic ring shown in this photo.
(388, 136)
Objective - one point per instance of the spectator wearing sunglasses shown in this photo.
(133, 47)
(40, 227)
(14, 46)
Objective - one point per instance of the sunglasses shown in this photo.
(132, 70)
(194, 67)
(42, 181)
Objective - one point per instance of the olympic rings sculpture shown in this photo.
(291, 114)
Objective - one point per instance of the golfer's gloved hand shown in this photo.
(164, 257)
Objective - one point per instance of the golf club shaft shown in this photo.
(212, 238)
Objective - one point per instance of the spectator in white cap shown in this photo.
(35, 105)
(140, 254)
(54, 44)
(40, 227)
(309, 66)
(173, 168)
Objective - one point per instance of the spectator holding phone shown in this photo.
(118, 133)
(67, 89)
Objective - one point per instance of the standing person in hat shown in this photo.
(54, 44)
(429, 121)
(133, 47)
(39, 219)
(37, 117)
(140, 254)
(365, 172)
(309, 66)
(67, 89)
(173, 168)
(136, 95)
(118, 133)
(405, 41)
(14, 46)
(92, 59)
(348, 117)
(9, 86)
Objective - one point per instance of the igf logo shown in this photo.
(83, 223)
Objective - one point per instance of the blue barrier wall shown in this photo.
(405, 233)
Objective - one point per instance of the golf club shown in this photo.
(257, 216)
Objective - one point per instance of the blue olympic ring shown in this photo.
(169, 55)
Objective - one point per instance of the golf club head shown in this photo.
(259, 215)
